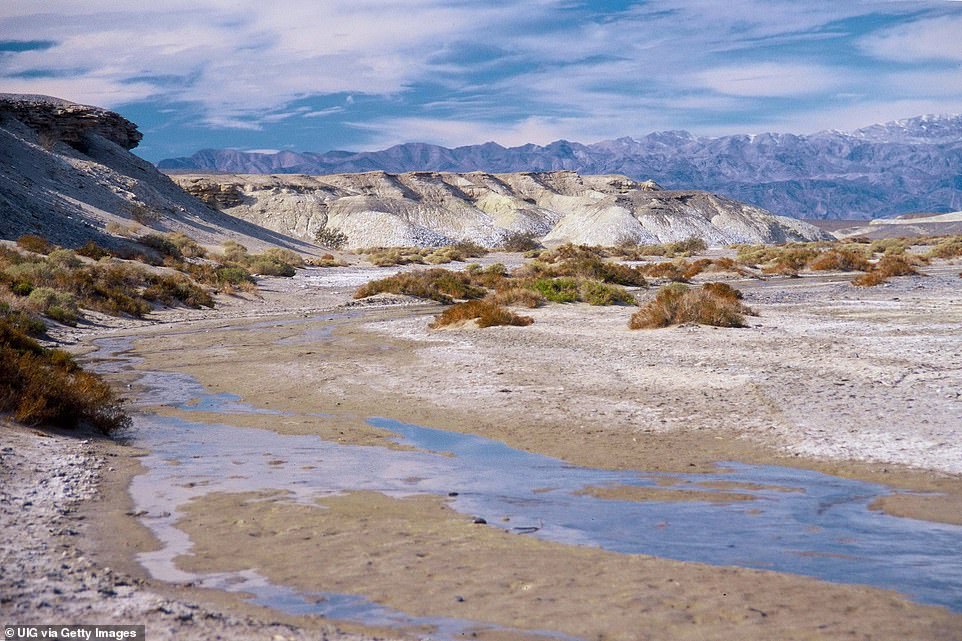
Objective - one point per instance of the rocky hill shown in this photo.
(882, 170)
(436, 208)
(66, 172)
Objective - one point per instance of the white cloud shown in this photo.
(770, 79)
(929, 39)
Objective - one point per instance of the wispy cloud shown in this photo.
(288, 72)
(922, 40)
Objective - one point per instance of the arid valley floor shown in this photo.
(858, 383)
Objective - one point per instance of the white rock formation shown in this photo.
(432, 208)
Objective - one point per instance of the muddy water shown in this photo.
(796, 521)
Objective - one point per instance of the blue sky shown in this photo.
(366, 74)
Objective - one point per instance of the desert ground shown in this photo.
(859, 383)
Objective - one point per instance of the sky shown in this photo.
(368, 74)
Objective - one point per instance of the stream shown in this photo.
(797, 521)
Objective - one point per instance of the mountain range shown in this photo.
(883, 170)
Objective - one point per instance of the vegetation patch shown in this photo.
(392, 256)
(486, 312)
(46, 386)
(34, 243)
(437, 284)
(714, 304)
(520, 242)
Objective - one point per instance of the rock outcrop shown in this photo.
(436, 208)
(60, 120)
(66, 173)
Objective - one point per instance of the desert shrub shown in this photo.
(282, 256)
(162, 244)
(670, 270)
(188, 247)
(233, 275)
(234, 252)
(494, 276)
(677, 303)
(950, 247)
(266, 267)
(46, 386)
(144, 215)
(391, 256)
(888, 266)
(34, 274)
(173, 289)
(557, 290)
(437, 284)
(63, 259)
(331, 238)
(890, 245)
(843, 260)
(518, 297)
(688, 247)
(36, 244)
(569, 251)
(327, 260)
(60, 306)
(723, 290)
(21, 320)
(895, 265)
(485, 311)
(596, 292)
(869, 279)
(520, 242)
(90, 249)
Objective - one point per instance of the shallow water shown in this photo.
(800, 521)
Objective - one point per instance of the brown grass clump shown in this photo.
(391, 256)
(326, 260)
(669, 270)
(485, 311)
(947, 248)
(888, 266)
(437, 284)
(46, 386)
(869, 279)
(518, 297)
(36, 244)
(677, 303)
(520, 242)
(842, 260)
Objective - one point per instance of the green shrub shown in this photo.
(233, 275)
(63, 259)
(176, 289)
(60, 306)
(21, 321)
(557, 290)
(267, 267)
(596, 292)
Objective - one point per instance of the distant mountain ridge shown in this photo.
(881, 170)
